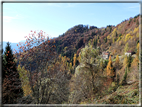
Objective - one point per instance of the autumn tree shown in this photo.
(34, 55)
(56, 82)
(110, 69)
(125, 62)
(127, 37)
(86, 80)
(25, 80)
(126, 47)
(11, 83)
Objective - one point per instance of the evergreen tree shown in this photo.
(11, 82)
(3, 65)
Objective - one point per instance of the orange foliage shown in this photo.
(110, 71)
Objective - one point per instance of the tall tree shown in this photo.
(110, 70)
(86, 78)
(37, 60)
(11, 83)
(25, 81)
(3, 65)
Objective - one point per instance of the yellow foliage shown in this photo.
(114, 32)
(128, 36)
(74, 60)
(137, 35)
(135, 62)
(65, 48)
(119, 38)
(79, 57)
(117, 61)
(25, 80)
(137, 46)
(108, 37)
(126, 47)
(136, 30)
(125, 62)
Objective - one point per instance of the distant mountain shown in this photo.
(13, 45)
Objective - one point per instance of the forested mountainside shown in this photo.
(109, 38)
(84, 65)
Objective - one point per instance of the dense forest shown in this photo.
(84, 65)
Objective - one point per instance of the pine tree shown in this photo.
(11, 83)
(3, 66)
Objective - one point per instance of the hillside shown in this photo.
(84, 65)
(110, 38)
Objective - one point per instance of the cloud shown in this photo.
(9, 18)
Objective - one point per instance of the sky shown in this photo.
(56, 18)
